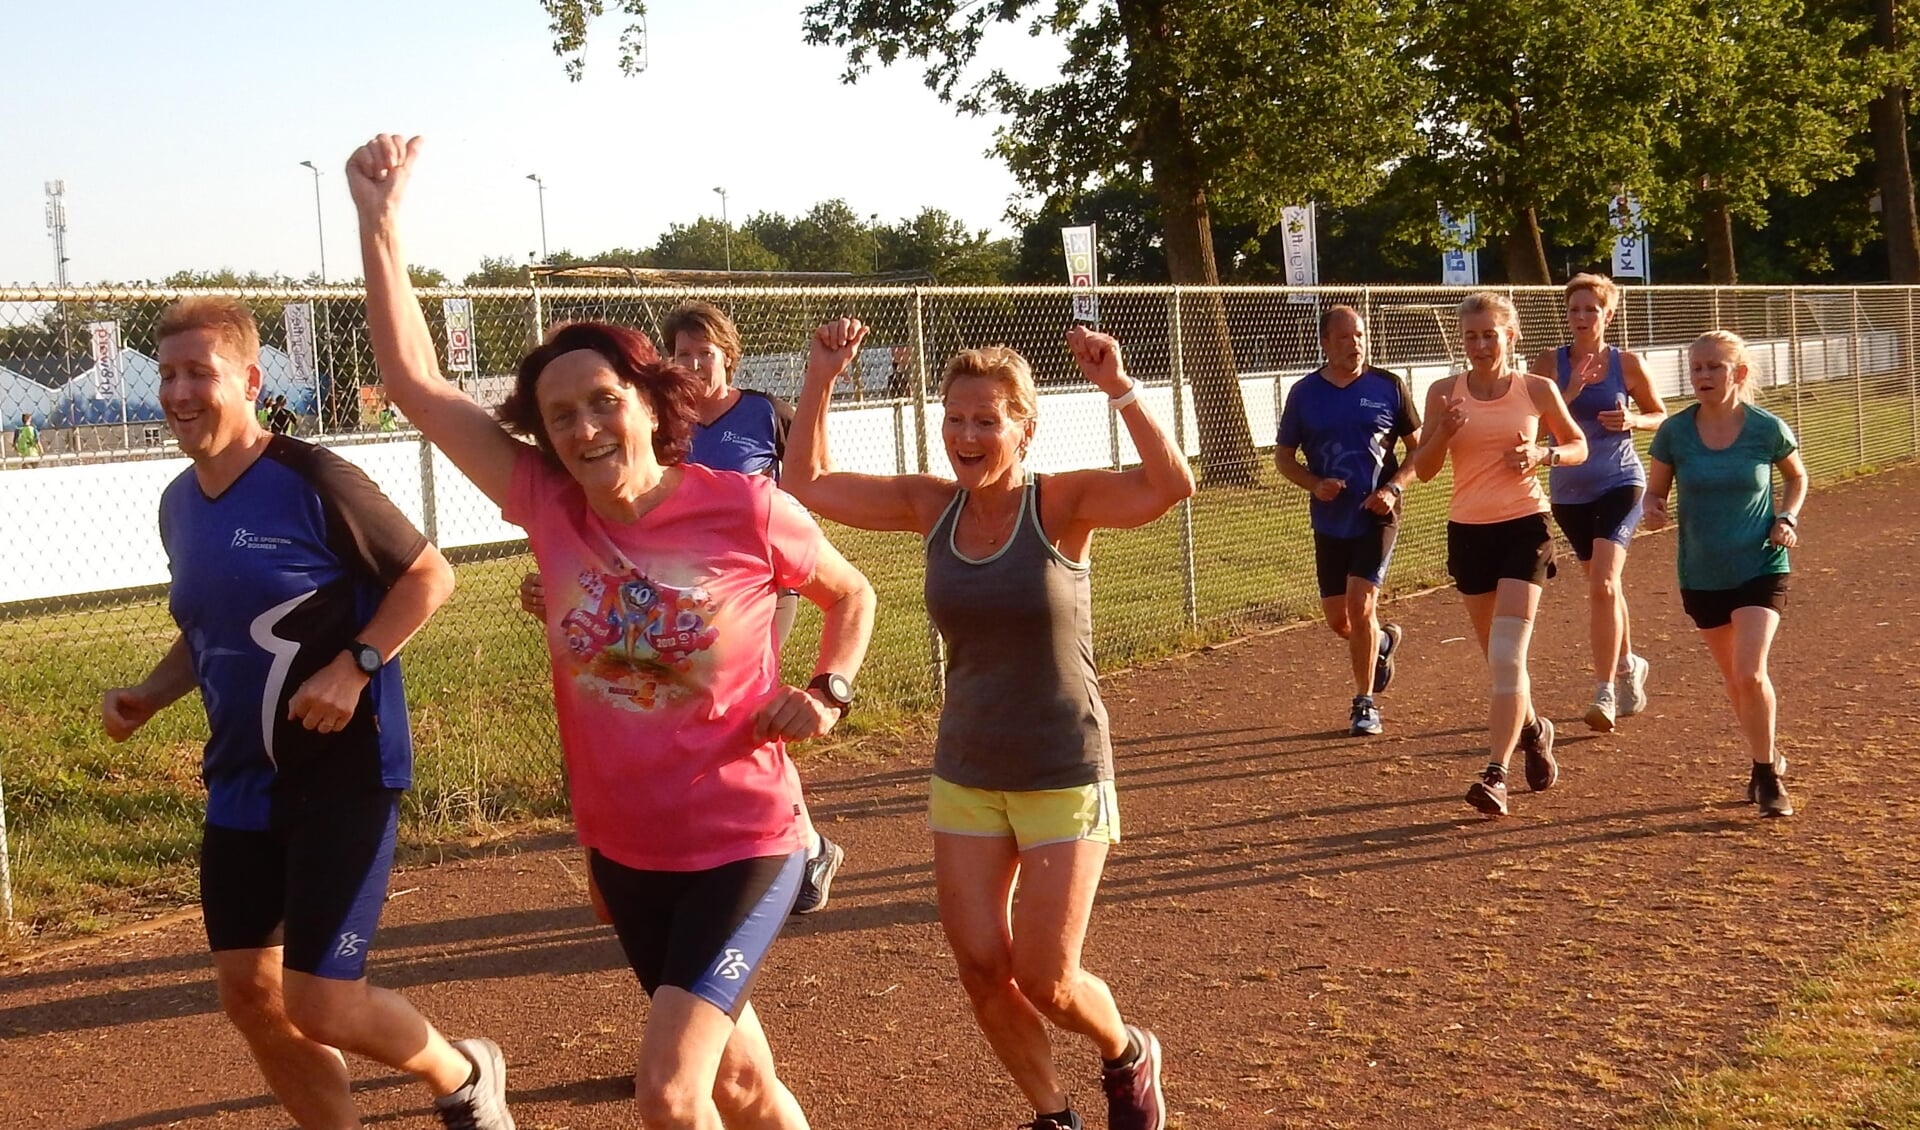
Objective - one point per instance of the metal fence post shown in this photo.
(6, 872)
(429, 509)
(1793, 355)
(1913, 386)
(539, 315)
(1189, 578)
(936, 649)
(1859, 381)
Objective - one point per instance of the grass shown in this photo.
(1843, 1054)
(100, 832)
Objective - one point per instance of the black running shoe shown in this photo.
(1383, 667)
(816, 879)
(1536, 741)
(1050, 1122)
(1770, 792)
(1753, 782)
(1489, 793)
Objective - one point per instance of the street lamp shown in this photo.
(726, 227)
(542, 187)
(319, 223)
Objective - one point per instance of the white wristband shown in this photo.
(1128, 397)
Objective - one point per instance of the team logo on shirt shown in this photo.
(244, 538)
(634, 634)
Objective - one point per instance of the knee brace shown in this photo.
(1507, 641)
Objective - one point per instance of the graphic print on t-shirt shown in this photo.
(635, 640)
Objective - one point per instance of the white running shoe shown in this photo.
(1600, 712)
(1633, 688)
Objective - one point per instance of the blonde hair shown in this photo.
(1497, 304)
(1736, 346)
(1603, 288)
(232, 324)
(1004, 367)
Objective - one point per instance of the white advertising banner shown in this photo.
(1630, 239)
(459, 315)
(105, 339)
(298, 317)
(1459, 264)
(1083, 269)
(1302, 252)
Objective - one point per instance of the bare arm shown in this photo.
(868, 502)
(847, 603)
(377, 174)
(327, 700)
(126, 709)
(1659, 485)
(1102, 499)
(1793, 495)
(1569, 442)
(1652, 410)
(1444, 415)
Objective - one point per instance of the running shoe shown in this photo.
(1052, 1122)
(1383, 668)
(1536, 741)
(1134, 1101)
(1769, 791)
(1753, 782)
(1600, 710)
(482, 1103)
(816, 879)
(1489, 792)
(1633, 688)
(1365, 716)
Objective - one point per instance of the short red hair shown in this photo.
(671, 392)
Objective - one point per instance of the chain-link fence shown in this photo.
(97, 830)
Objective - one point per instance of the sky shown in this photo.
(179, 129)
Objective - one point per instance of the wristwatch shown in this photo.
(366, 658)
(836, 689)
(1398, 491)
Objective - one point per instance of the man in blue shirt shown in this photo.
(1344, 418)
(295, 583)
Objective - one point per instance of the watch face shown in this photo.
(367, 659)
(839, 689)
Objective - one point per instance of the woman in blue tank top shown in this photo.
(1597, 503)
(1022, 787)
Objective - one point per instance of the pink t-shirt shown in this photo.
(662, 640)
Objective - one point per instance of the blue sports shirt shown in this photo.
(271, 581)
(750, 437)
(1348, 433)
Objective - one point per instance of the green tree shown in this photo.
(502, 270)
(942, 246)
(1735, 140)
(829, 237)
(1891, 51)
(1538, 112)
(1255, 103)
(705, 245)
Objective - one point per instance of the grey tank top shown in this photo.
(1023, 709)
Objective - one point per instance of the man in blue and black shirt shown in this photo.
(295, 582)
(1344, 417)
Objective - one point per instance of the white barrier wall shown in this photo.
(73, 530)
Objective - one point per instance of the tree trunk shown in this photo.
(1888, 113)
(1717, 225)
(1226, 442)
(1523, 251)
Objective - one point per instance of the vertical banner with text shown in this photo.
(298, 317)
(1459, 263)
(1083, 271)
(105, 338)
(458, 313)
(1302, 250)
(1630, 242)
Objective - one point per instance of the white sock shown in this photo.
(1626, 664)
(1602, 688)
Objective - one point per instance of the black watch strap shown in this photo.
(366, 657)
(836, 689)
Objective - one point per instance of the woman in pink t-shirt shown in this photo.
(1488, 421)
(662, 578)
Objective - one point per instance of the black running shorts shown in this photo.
(1713, 608)
(1479, 557)
(1366, 557)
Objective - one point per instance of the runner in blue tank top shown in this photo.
(1345, 418)
(740, 430)
(1597, 503)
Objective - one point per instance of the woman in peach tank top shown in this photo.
(1488, 421)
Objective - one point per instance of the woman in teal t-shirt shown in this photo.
(1722, 452)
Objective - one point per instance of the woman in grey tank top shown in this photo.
(1022, 784)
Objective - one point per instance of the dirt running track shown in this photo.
(1320, 930)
